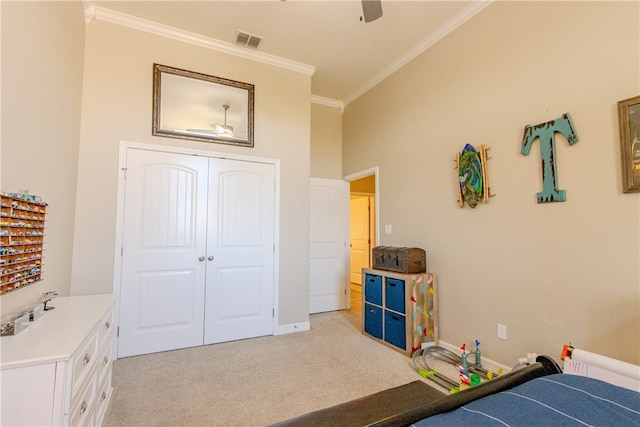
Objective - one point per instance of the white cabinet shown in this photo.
(58, 370)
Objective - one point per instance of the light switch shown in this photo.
(387, 229)
(502, 331)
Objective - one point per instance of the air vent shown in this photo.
(247, 39)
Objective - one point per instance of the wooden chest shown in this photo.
(401, 260)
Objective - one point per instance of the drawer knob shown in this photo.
(83, 407)
(86, 359)
(107, 325)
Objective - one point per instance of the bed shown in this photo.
(538, 394)
(553, 400)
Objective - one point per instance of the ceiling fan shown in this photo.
(224, 130)
(218, 130)
(371, 9)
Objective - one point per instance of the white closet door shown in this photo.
(240, 250)
(162, 283)
(328, 249)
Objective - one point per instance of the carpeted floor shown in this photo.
(258, 381)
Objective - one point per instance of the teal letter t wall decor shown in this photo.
(546, 133)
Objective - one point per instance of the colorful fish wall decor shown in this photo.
(472, 173)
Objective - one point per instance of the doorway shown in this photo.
(363, 234)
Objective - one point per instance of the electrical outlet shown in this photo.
(502, 331)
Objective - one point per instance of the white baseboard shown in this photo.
(292, 328)
(488, 364)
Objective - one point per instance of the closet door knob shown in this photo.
(201, 259)
(210, 258)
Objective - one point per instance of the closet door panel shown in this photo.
(240, 250)
(162, 286)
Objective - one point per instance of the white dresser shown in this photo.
(58, 370)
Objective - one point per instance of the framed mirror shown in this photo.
(629, 121)
(195, 106)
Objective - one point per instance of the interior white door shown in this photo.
(164, 241)
(360, 236)
(240, 250)
(328, 250)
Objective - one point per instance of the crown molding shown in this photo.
(328, 102)
(96, 13)
(456, 21)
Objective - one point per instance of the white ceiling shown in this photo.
(349, 55)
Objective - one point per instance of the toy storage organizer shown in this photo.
(400, 310)
(21, 241)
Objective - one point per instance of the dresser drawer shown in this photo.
(106, 329)
(83, 362)
(105, 359)
(83, 405)
(103, 398)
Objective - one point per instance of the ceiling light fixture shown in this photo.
(224, 130)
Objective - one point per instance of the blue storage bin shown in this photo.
(373, 320)
(373, 289)
(394, 329)
(394, 294)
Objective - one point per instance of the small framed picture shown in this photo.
(629, 118)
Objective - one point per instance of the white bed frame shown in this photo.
(592, 365)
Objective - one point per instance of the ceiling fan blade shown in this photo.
(371, 9)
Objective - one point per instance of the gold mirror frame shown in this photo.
(200, 107)
(629, 120)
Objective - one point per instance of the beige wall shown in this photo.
(42, 55)
(326, 141)
(117, 106)
(552, 273)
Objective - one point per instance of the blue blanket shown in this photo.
(554, 400)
